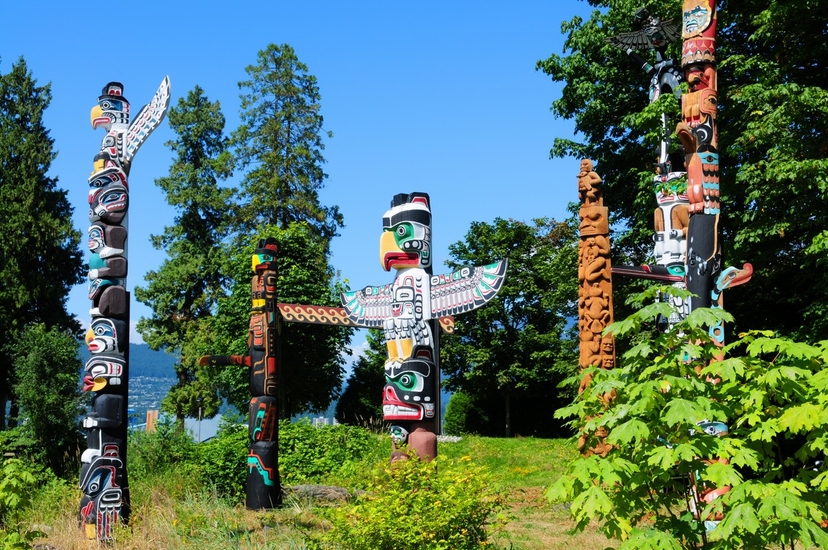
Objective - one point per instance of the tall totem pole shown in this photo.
(408, 310)
(688, 250)
(103, 477)
(595, 311)
(264, 489)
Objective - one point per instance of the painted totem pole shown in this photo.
(595, 287)
(408, 310)
(264, 490)
(688, 248)
(103, 477)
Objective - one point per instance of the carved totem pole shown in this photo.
(688, 249)
(595, 287)
(103, 477)
(263, 487)
(408, 310)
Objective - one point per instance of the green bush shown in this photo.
(309, 454)
(18, 480)
(223, 460)
(416, 505)
(153, 453)
(771, 392)
(461, 414)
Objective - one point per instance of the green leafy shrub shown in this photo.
(223, 460)
(771, 392)
(309, 454)
(461, 412)
(18, 480)
(416, 505)
(155, 452)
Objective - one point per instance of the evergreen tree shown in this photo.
(46, 366)
(280, 142)
(509, 356)
(773, 150)
(361, 402)
(40, 258)
(184, 291)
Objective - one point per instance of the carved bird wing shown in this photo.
(466, 289)
(147, 120)
(368, 307)
(653, 37)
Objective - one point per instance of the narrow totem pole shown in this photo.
(408, 310)
(264, 490)
(688, 249)
(595, 288)
(103, 476)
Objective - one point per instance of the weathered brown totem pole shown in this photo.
(595, 286)
(263, 489)
(103, 476)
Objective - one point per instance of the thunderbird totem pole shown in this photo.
(103, 477)
(264, 489)
(408, 311)
(688, 247)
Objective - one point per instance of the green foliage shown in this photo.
(46, 370)
(361, 402)
(510, 354)
(309, 454)
(280, 142)
(223, 460)
(448, 504)
(153, 453)
(462, 415)
(773, 150)
(40, 258)
(770, 391)
(18, 479)
(184, 291)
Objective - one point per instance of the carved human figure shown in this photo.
(589, 182)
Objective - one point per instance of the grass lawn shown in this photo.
(174, 511)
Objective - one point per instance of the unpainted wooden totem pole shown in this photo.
(103, 476)
(595, 311)
(263, 488)
(408, 310)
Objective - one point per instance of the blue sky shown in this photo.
(440, 97)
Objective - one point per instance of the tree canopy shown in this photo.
(509, 355)
(773, 98)
(40, 258)
(184, 291)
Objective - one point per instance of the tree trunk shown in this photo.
(508, 411)
(3, 400)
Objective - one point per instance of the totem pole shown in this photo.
(595, 288)
(688, 248)
(264, 490)
(103, 476)
(407, 310)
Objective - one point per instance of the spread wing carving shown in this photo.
(654, 37)
(147, 120)
(466, 289)
(368, 307)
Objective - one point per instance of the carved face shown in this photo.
(409, 390)
(586, 165)
(112, 107)
(106, 335)
(264, 259)
(102, 370)
(108, 204)
(406, 237)
(107, 240)
(697, 17)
